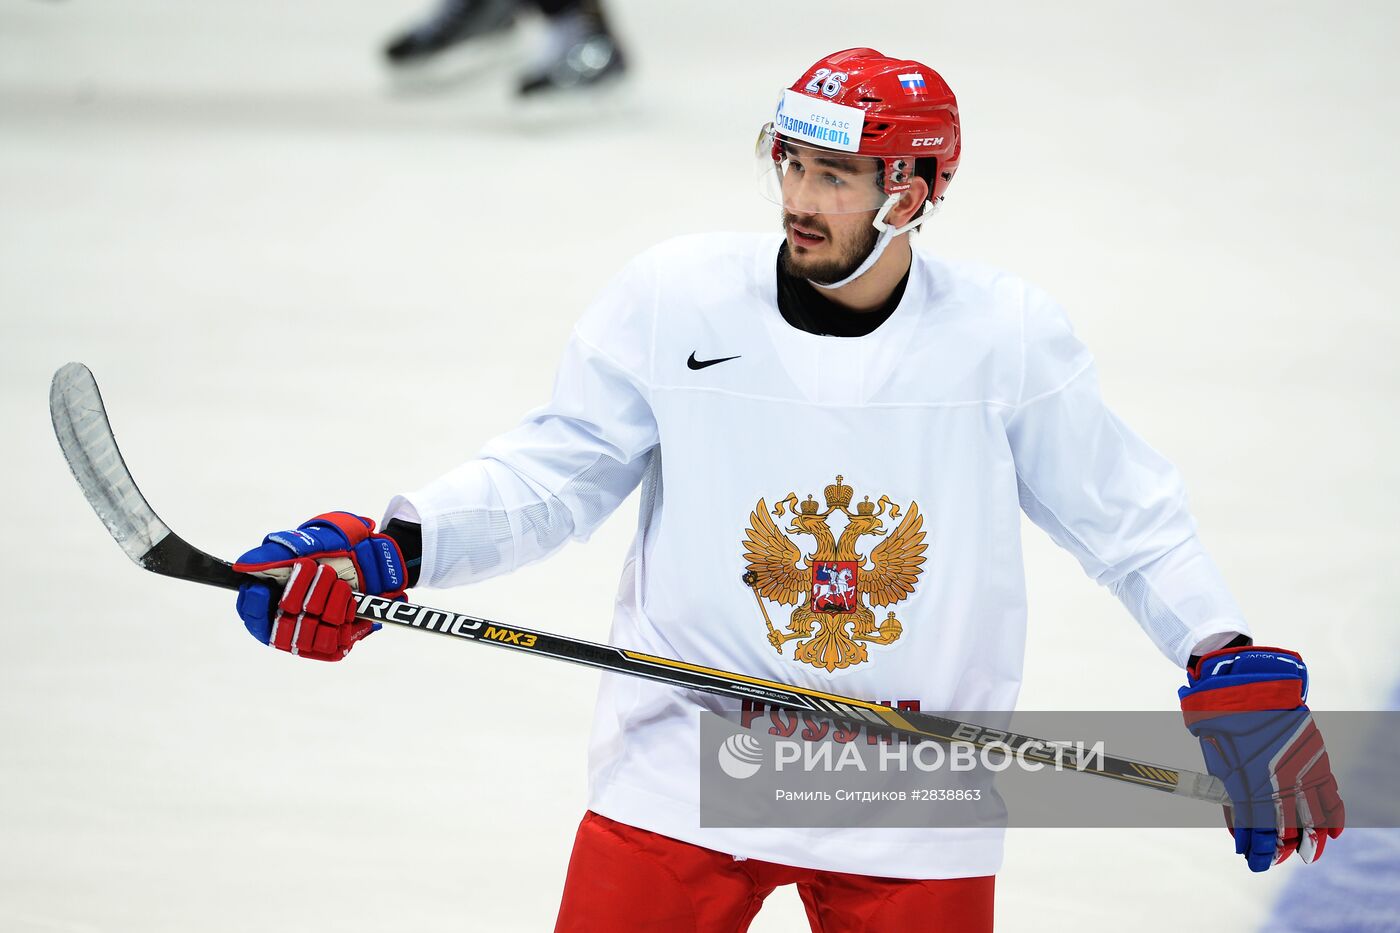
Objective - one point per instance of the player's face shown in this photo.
(829, 203)
(827, 247)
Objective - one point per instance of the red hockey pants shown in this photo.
(628, 880)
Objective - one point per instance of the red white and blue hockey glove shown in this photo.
(1247, 706)
(317, 566)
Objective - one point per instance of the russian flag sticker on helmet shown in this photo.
(912, 83)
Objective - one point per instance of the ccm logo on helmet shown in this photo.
(928, 141)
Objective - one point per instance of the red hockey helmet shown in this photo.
(863, 103)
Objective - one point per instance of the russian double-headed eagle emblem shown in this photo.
(836, 588)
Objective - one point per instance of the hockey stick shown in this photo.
(80, 421)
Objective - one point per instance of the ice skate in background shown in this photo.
(462, 41)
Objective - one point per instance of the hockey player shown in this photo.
(738, 377)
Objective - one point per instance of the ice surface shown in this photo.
(303, 290)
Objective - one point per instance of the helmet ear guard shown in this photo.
(897, 173)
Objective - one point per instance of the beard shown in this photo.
(849, 255)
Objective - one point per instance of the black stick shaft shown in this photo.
(81, 425)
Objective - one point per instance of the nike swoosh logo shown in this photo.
(693, 363)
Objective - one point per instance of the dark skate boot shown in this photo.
(580, 53)
(455, 22)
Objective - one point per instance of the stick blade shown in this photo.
(80, 422)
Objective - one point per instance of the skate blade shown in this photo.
(609, 101)
(466, 66)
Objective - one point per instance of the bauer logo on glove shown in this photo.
(319, 565)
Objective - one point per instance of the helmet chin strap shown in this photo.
(887, 234)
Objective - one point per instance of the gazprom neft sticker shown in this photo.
(820, 122)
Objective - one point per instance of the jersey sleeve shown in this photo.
(1103, 494)
(565, 468)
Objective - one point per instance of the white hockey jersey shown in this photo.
(973, 401)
